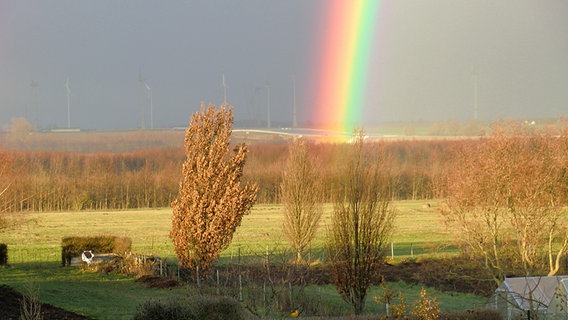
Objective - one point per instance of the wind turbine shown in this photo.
(68, 103)
(34, 102)
(224, 89)
(268, 105)
(474, 76)
(142, 80)
(294, 117)
(151, 105)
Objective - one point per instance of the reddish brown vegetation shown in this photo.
(61, 180)
(506, 196)
(212, 201)
(56, 180)
(143, 169)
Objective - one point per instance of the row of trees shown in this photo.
(57, 180)
(212, 202)
(505, 198)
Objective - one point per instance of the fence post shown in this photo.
(411, 250)
(264, 293)
(197, 276)
(291, 294)
(218, 284)
(392, 250)
(240, 276)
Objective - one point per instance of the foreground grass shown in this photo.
(112, 296)
(35, 256)
(101, 296)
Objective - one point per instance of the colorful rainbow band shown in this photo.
(348, 30)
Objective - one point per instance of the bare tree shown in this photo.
(4, 185)
(361, 226)
(211, 200)
(301, 198)
(505, 202)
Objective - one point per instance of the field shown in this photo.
(39, 238)
(34, 255)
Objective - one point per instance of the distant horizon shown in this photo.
(277, 125)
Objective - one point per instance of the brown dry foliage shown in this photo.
(211, 200)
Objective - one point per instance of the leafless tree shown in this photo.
(505, 198)
(4, 185)
(301, 198)
(211, 200)
(361, 225)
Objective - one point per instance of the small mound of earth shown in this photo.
(158, 282)
(10, 301)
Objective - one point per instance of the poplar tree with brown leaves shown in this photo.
(212, 201)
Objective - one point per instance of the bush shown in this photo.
(222, 308)
(3, 254)
(167, 310)
(74, 246)
(196, 307)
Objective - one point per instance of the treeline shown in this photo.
(149, 178)
(59, 181)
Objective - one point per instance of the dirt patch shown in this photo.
(158, 282)
(10, 301)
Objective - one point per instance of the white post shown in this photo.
(218, 285)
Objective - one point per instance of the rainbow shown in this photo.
(342, 63)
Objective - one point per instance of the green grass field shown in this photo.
(35, 255)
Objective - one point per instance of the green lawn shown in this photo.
(39, 239)
(102, 296)
(35, 256)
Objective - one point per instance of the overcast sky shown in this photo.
(428, 51)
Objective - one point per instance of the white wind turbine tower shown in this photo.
(68, 103)
(294, 109)
(34, 102)
(142, 103)
(474, 76)
(268, 125)
(151, 104)
(224, 89)
(142, 80)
